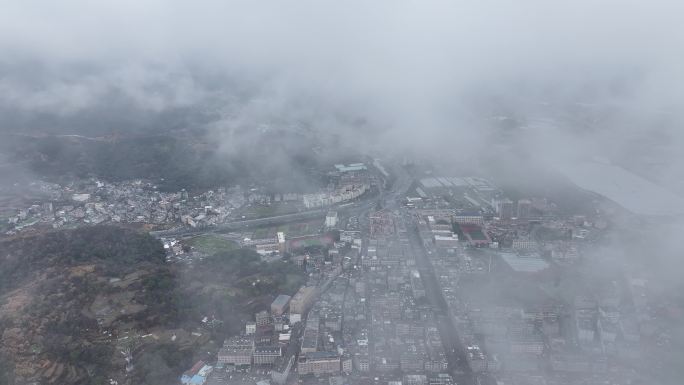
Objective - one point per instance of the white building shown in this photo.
(331, 219)
(524, 244)
(446, 241)
(338, 196)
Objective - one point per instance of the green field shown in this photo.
(211, 244)
(299, 229)
(263, 232)
(291, 230)
(262, 211)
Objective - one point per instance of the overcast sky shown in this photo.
(419, 73)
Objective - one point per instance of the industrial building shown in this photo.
(310, 336)
(532, 263)
(280, 305)
(302, 300)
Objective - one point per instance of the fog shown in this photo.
(536, 82)
(517, 84)
(419, 74)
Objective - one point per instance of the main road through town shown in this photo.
(447, 330)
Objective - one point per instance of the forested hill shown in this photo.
(72, 300)
(59, 291)
(175, 163)
(114, 251)
(195, 162)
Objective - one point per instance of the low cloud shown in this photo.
(429, 76)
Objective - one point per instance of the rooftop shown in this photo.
(320, 355)
(351, 167)
(281, 300)
(524, 263)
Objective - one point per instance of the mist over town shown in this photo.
(324, 192)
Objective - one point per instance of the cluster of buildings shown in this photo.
(394, 329)
(469, 193)
(347, 182)
(265, 342)
(339, 195)
(300, 335)
(475, 195)
(527, 227)
(595, 336)
(92, 202)
(197, 375)
(364, 315)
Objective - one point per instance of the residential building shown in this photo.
(415, 379)
(263, 318)
(506, 209)
(319, 363)
(524, 208)
(331, 219)
(237, 351)
(266, 355)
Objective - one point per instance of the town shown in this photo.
(341, 192)
(91, 202)
(431, 280)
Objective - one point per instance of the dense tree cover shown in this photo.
(229, 286)
(253, 276)
(115, 251)
(64, 271)
(160, 364)
(237, 262)
(163, 297)
(6, 371)
(174, 162)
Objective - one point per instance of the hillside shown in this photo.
(61, 293)
(176, 163)
(72, 301)
(192, 161)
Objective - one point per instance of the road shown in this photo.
(447, 330)
(351, 209)
(363, 205)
